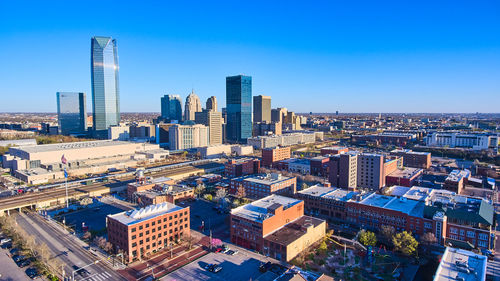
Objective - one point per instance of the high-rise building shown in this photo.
(188, 136)
(171, 108)
(72, 113)
(278, 114)
(193, 105)
(212, 104)
(239, 108)
(105, 90)
(373, 168)
(261, 109)
(213, 120)
(343, 170)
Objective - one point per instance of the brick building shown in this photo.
(275, 226)
(373, 168)
(343, 170)
(456, 180)
(414, 159)
(146, 184)
(320, 166)
(404, 177)
(259, 186)
(333, 150)
(141, 232)
(242, 166)
(272, 155)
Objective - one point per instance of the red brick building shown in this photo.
(320, 166)
(404, 177)
(141, 232)
(259, 186)
(241, 167)
(272, 155)
(333, 150)
(414, 159)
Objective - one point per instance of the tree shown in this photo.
(208, 197)
(240, 191)
(387, 232)
(220, 194)
(87, 235)
(199, 189)
(405, 243)
(323, 247)
(428, 238)
(305, 186)
(367, 238)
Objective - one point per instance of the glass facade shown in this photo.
(72, 113)
(239, 108)
(171, 107)
(105, 90)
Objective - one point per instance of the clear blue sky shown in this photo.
(351, 56)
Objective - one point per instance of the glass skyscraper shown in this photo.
(105, 90)
(72, 113)
(171, 108)
(239, 108)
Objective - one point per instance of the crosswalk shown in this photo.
(99, 277)
(493, 269)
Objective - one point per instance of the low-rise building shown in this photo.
(259, 186)
(458, 264)
(414, 159)
(404, 177)
(275, 226)
(238, 167)
(146, 184)
(474, 141)
(333, 150)
(272, 155)
(320, 166)
(456, 180)
(141, 232)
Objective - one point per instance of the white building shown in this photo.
(463, 140)
(288, 139)
(188, 136)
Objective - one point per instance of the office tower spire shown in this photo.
(105, 90)
(193, 105)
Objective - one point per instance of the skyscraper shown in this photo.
(105, 90)
(72, 113)
(213, 120)
(193, 105)
(239, 108)
(261, 108)
(171, 108)
(211, 104)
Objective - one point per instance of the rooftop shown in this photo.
(409, 151)
(293, 230)
(71, 145)
(418, 193)
(328, 192)
(405, 173)
(266, 179)
(151, 211)
(457, 263)
(457, 175)
(258, 210)
(158, 180)
(377, 200)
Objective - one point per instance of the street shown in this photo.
(66, 248)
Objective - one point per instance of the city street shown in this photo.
(67, 248)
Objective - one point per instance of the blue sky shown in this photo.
(351, 56)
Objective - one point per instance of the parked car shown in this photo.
(7, 245)
(208, 266)
(14, 251)
(218, 250)
(5, 240)
(18, 258)
(265, 266)
(232, 252)
(215, 268)
(23, 263)
(32, 272)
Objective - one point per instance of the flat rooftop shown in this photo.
(406, 173)
(457, 263)
(377, 200)
(266, 179)
(418, 193)
(317, 190)
(71, 145)
(406, 206)
(398, 190)
(158, 180)
(293, 230)
(328, 192)
(149, 212)
(258, 210)
(408, 151)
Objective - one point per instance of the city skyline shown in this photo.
(409, 56)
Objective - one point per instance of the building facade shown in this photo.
(72, 113)
(211, 104)
(171, 108)
(140, 233)
(239, 108)
(343, 170)
(414, 159)
(241, 167)
(105, 89)
(273, 155)
(213, 120)
(193, 105)
(188, 136)
(259, 186)
(261, 108)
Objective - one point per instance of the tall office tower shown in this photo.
(212, 104)
(261, 109)
(239, 108)
(72, 113)
(278, 114)
(193, 105)
(343, 170)
(171, 108)
(105, 90)
(188, 136)
(213, 120)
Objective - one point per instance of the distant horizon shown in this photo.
(322, 56)
(306, 113)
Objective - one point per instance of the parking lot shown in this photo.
(203, 211)
(242, 266)
(9, 270)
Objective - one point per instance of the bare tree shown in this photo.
(428, 238)
(240, 191)
(87, 235)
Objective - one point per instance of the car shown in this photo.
(81, 271)
(23, 263)
(215, 268)
(218, 250)
(208, 266)
(225, 248)
(5, 240)
(32, 272)
(7, 245)
(18, 258)
(265, 266)
(14, 251)
(232, 252)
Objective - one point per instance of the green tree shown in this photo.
(405, 243)
(367, 238)
(305, 186)
(323, 247)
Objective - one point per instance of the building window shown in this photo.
(471, 234)
(134, 244)
(133, 229)
(140, 227)
(453, 230)
(483, 236)
(133, 237)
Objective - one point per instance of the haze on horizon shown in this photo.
(309, 57)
